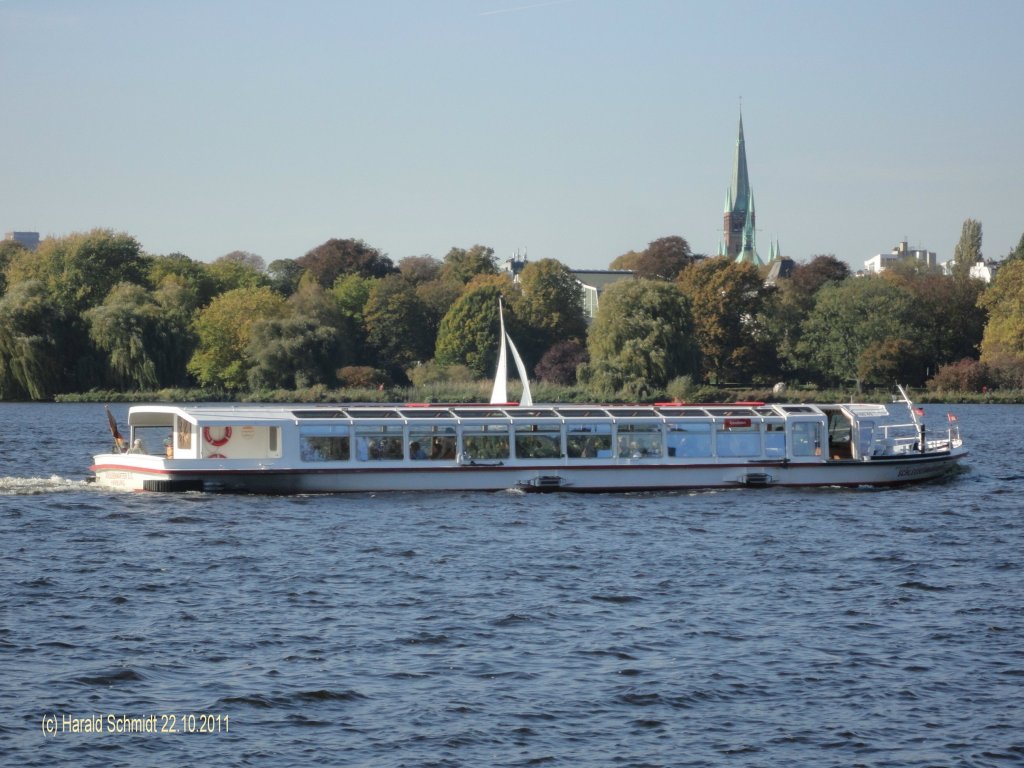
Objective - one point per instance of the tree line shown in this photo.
(92, 311)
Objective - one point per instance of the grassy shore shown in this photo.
(477, 392)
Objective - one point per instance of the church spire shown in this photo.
(740, 219)
(740, 182)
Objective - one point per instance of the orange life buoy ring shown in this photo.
(216, 456)
(217, 442)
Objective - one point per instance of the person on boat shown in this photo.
(137, 446)
(416, 452)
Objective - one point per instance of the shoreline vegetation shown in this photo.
(479, 392)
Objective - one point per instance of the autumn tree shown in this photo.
(641, 339)
(1002, 346)
(337, 257)
(728, 299)
(662, 259)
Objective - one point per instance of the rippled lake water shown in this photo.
(749, 627)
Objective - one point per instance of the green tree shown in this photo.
(641, 339)
(662, 259)
(304, 348)
(968, 250)
(78, 270)
(852, 316)
(549, 307)
(728, 300)
(284, 276)
(1002, 346)
(31, 342)
(224, 330)
(469, 333)
(237, 269)
(334, 258)
(188, 274)
(130, 327)
(396, 324)
(948, 318)
(1018, 252)
(463, 265)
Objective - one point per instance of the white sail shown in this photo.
(499, 394)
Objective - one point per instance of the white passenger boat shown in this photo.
(274, 449)
(494, 446)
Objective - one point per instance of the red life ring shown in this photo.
(219, 441)
(216, 456)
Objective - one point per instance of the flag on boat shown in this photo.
(919, 411)
(951, 417)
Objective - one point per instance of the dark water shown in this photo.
(761, 628)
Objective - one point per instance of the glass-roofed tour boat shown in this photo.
(498, 445)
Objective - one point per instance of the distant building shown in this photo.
(882, 261)
(985, 269)
(28, 239)
(781, 269)
(593, 282)
(515, 265)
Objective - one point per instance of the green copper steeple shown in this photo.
(739, 220)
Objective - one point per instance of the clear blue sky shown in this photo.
(574, 129)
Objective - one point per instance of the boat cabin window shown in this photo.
(588, 441)
(435, 443)
(689, 439)
(639, 440)
(806, 438)
(738, 436)
(324, 443)
(775, 439)
(485, 441)
(538, 441)
(378, 442)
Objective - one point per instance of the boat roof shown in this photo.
(156, 414)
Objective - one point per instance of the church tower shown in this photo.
(739, 220)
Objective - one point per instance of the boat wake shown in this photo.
(34, 486)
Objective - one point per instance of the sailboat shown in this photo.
(499, 394)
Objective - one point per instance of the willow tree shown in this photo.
(31, 342)
(129, 326)
(641, 339)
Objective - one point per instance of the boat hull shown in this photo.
(154, 474)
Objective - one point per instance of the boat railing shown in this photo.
(898, 439)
